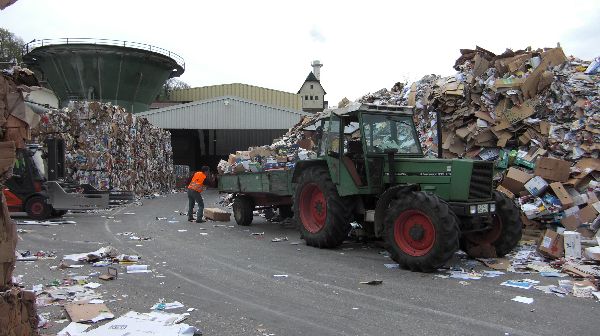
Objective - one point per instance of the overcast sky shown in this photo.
(364, 45)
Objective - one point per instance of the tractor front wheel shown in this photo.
(421, 231)
(322, 215)
(506, 229)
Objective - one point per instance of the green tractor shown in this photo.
(370, 169)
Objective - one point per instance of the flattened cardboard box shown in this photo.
(505, 191)
(585, 215)
(552, 244)
(553, 169)
(217, 214)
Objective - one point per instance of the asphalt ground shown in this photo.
(227, 275)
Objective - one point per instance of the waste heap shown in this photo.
(17, 308)
(282, 154)
(111, 149)
(534, 112)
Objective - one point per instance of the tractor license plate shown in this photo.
(482, 208)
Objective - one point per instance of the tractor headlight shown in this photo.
(473, 209)
(493, 207)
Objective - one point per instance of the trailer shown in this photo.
(261, 190)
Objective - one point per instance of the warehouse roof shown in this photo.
(226, 112)
(266, 96)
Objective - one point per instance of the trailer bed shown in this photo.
(275, 182)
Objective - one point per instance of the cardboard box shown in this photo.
(552, 245)
(551, 57)
(243, 155)
(585, 215)
(515, 180)
(306, 144)
(217, 214)
(553, 169)
(572, 244)
(506, 192)
(592, 253)
(562, 194)
(592, 197)
(536, 186)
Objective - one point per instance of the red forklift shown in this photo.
(38, 186)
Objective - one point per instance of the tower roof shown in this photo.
(311, 78)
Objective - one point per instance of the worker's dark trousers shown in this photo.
(195, 197)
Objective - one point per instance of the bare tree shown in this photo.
(170, 85)
(11, 48)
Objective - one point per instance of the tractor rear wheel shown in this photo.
(243, 210)
(506, 230)
(322, 215)
(37, 208)
(421, 231)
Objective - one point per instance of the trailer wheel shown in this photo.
(421, 231)
(243, 210)
(37, 208)
(506, 230)
(323, 216)
(285, 211)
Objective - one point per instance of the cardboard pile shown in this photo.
(535, 113)
(110, 148)
(530, 98)
(17, 308)
(283, 154)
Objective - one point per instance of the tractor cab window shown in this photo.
(384, 132)
(330, 141)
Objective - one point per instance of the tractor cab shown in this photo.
(357, 140)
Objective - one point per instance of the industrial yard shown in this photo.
(249, 169)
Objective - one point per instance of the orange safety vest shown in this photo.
(198, 182)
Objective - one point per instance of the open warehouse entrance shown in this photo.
(196, 148)
(204, 132)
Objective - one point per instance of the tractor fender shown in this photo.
(303, 165)
(384, 202)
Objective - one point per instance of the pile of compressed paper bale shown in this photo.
(535, 112)
(111, 149)
(283, 154)
(17, 307)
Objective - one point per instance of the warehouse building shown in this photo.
(211, 122)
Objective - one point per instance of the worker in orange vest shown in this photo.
(194, 191)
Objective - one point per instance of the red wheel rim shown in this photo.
(313, 208)
(414, 233)
(489, 236)
(37, 208)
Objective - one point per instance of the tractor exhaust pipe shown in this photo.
(438, 123)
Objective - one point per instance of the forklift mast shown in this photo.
(55, 159)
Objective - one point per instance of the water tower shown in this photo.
(128, 74)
